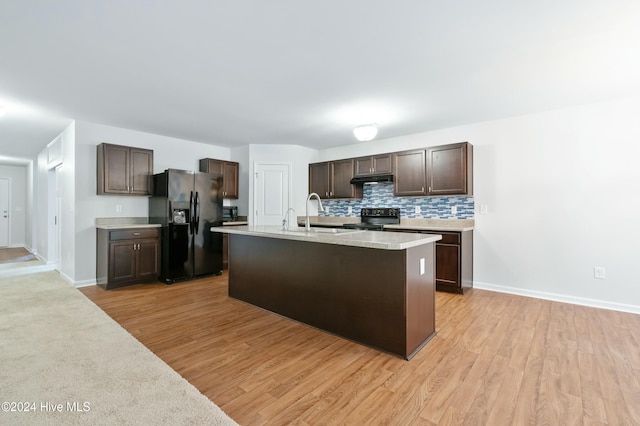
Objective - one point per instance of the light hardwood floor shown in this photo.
(17, 254)
(497, 359)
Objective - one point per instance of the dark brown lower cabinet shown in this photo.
(454, 260)
(127, 256)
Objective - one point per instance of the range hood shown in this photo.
(372, 178)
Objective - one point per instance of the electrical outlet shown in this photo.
(418, 209)
(599, 272)
(483, 209)
(118, 208)
(349, 210)
(326, 209)
(454, 210)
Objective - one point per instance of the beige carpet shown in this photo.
(72, 364)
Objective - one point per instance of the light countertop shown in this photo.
(124, 223)
(129, 226)
(347, 237)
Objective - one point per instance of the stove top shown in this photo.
(374, 219)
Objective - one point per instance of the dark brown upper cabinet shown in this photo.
(450, 169)
(229, 171)
(410, 177)
(124, 170)
(331, 179)
(373, 165)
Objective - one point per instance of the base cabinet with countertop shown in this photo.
(454, 259)
(348, 284)
(127, 256)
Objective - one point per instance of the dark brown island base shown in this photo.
(375, 288)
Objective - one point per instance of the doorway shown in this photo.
(4, 212)
(54, 249)
(271, 191)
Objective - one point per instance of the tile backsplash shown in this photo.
(381, 195)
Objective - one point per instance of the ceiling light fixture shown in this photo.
(365, 132)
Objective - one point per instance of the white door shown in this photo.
(4, 212)
(271, 193)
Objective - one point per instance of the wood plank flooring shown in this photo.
(15, 254)
(497, 359)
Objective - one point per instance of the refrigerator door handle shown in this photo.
(192, 209)
(197, 213)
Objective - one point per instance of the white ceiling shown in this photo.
(303, 72)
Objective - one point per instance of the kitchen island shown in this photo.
(375, 288)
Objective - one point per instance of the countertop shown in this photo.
(345, 237)
(452, 225)
(235, 223)
(130, 226)
(124, 223)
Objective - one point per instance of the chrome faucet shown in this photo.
(285, 222)
(307, 223)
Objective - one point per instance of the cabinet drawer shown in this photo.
(448, 237)
(129, 234)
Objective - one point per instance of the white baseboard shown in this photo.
(574, 300)
(85, 283)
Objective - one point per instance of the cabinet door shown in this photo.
(363, 166)
(122, 262)
(147, 259)
(448, 170)
(448, 265)
(410, 176)
(382, 164)
(141, 161)
(116, 170)
(230, 179)
(341, 175)
(319, 179)
(209, 165)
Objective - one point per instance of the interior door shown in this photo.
(4, 212)
(271, 193)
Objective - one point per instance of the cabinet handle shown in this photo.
(330, 194)
(422, 189)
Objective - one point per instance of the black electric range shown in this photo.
(375, 219)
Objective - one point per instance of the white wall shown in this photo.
(299, 157)
(168, 153)
(18, 201)
(560, 190)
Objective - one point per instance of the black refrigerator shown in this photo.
(187, 204)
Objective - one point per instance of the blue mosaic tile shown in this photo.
(381, 195)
